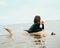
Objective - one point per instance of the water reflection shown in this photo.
(39, 41)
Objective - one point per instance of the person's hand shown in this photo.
(43, 22)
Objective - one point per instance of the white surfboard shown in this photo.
(42, 33)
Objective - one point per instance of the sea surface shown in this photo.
(30, 41)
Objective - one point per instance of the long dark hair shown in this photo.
(37, 19)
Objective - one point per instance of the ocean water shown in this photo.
(30, 41)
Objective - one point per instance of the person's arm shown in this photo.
(42, 24)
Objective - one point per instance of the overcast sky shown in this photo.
(23, 11)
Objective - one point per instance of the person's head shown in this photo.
(37, 19)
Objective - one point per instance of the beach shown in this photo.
(30, 41)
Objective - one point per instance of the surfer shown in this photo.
(36, 26)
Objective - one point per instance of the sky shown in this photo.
(24, 11)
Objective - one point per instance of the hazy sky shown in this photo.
(22, 11)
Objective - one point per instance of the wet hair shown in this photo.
(37, 19)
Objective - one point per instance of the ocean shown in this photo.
(30, 41)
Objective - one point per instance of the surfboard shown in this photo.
(42, 33)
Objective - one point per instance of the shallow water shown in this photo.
(30, 41)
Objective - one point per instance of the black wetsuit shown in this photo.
(35, 28)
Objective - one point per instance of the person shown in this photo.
(36, 26)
